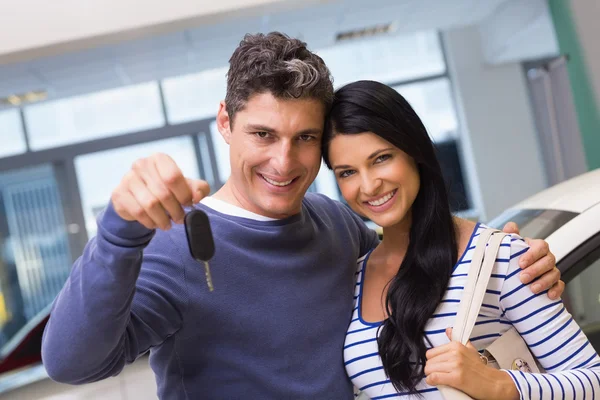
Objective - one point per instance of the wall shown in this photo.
(135, 382)
(518, 30)
(501, 153)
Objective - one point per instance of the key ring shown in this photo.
(484, 359)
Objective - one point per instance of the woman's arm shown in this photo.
(572, 365)
(553, 336)
(538, 264)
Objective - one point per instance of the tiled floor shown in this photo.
(136, 382)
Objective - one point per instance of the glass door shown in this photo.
(35, 257)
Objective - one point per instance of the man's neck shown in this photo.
(228, 194)
(225, 194)
(229, 209)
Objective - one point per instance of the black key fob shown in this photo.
(199, 235)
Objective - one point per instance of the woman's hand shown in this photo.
(462, 368)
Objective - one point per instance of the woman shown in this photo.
(409, 287)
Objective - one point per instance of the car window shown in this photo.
(582, 295)
(538, 224)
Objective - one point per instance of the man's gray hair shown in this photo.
(277, 64)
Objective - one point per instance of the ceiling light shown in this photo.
(13, 100)
(24, 98)
(365, 32)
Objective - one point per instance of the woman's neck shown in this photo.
(394, 245)
(396, 239)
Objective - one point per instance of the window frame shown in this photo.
(570, 266)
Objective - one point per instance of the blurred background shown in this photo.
(88, 87)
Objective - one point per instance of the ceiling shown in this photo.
(210, 46)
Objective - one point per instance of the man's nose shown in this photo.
(284, 158)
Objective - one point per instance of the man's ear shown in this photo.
(223, 122)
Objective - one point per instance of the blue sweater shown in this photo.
(273, 328)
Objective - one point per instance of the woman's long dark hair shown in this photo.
(418, 287)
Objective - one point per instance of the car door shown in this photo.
(581, 273)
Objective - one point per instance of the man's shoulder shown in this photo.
(325, 207)
(323, 203)
(313, 197)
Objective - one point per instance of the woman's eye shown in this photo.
(382, 158)
(345, 174)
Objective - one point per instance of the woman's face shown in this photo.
(378, 180)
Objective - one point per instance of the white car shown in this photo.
(567, 216)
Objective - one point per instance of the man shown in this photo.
(283, 270)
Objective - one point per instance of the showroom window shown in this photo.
(11, 133)
(94, 116)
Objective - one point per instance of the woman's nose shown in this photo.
(370, 185)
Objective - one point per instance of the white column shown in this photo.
(501, 155)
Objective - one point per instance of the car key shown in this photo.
(200, 240)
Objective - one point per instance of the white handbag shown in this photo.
(509, 352)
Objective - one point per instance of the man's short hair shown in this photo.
(277, 64)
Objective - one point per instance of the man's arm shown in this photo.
(126, 293)
(538, 264)
(100, 320)
(369, 239)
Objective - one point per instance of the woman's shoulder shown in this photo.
(468, 238)
(511, 249)
(512, 245)
(466, 231)
(362, 260)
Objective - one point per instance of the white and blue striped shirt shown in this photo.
(572, 364)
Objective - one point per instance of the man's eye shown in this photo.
(262, 135)
(307, 138)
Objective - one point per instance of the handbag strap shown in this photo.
(478, 278)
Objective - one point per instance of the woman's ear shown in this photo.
(224, 122)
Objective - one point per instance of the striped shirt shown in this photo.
(572, 364)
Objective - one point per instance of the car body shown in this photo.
(567, 216)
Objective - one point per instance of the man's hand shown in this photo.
(538, 261)
(154, 192)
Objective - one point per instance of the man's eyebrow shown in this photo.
(259, 128)
(264, 128)
(311, 131)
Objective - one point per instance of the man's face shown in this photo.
(275, 153)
